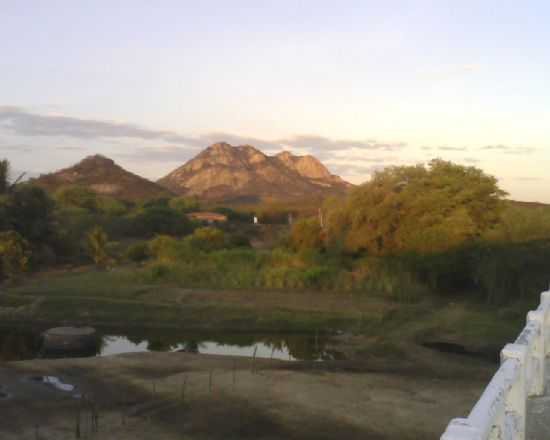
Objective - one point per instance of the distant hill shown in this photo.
(223, 172)
(103, 176)
(521, 204)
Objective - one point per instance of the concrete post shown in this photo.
(516, 402)
(538, 352)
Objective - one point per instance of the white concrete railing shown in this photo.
(500, 412)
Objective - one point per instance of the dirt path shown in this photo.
(184, 396)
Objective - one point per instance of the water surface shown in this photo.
(23, 343)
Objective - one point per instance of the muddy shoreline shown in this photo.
(180, 395)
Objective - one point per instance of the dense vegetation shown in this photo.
(409, 232)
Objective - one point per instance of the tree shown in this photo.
(74, 196)
(160, 220)
(4, 176)
(30, 212)
(422, 209)
(306, 234)
(96, 241)
(14, 254)
(184, 204)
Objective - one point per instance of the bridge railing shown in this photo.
(500, 413)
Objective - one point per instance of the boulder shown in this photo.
(70, 340)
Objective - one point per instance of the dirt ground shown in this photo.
(169, 396)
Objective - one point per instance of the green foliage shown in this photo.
(96, 241)
(164, 248)
(74, 196)
(208, 238)
(521, 223)
(14, 254)
(306, 234)
(28, 210)
(111, 206)
(4, 176)
(417, 208)
(184, 204)
(137, 252)
(236, 240)
(158, 219)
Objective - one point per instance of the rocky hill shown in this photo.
(223, 172)
(105, 177)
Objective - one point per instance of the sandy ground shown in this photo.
(187, 396)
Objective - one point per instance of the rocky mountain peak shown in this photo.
(307, 166)
(103, 176)
(222, 171)
(96, 160)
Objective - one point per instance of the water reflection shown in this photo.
(19, 344)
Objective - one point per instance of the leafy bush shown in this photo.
(14, 254)
(96, 243)
(137, 252)
(164, 248)
(208, 238)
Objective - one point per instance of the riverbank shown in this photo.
(180, 395)
(365, 323)
(405, 369)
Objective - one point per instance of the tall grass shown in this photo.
(487, 270)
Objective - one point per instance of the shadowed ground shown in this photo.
(171, 396)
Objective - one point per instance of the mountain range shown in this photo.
(219, 173)
(224, 172)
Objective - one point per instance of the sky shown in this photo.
(359, 84)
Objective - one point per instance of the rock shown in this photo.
(69, 340)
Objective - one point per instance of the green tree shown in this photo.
(110, 206)
(158, 219)
(184, 204)
(97, 241)
(28, 210)
(423, 209)
(74, 196)
(14, 254)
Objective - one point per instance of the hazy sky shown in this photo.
(360, 84)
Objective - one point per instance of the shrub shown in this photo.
(14, 254)
(164, 248)
(96, 241)
(137, 252)
(208, 238)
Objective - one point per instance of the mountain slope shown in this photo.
(224, 172)
(105, 177)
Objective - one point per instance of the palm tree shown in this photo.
(4, 176)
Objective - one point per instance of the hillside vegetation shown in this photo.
(409, 233)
